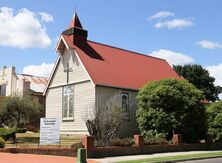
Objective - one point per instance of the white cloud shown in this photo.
(22, 29)
(46, 17)
(175, 23)
(173, 58)
(161, 14)
(216, 72)
(209, 44)
(38, 70)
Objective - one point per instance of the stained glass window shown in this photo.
(68, 102)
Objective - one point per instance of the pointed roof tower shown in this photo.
(76, 30)
(75, 22)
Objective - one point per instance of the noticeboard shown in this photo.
(49, 131)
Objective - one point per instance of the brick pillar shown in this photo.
(138, 139)
(177, 139)
(88, 142)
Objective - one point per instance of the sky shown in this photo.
(180, 31)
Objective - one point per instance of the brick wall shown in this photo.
(140, 148)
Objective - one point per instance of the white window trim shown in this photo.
(63, 94)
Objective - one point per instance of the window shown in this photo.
(125, 106)
(68, 102)
(3, 90)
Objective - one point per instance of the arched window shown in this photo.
(68, 102)
(125, 106)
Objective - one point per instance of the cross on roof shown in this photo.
(67, 70)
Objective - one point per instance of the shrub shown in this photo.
(171, 105)
(121, 142)
(152, 137)
(153, 134)
(214, 118)
(106, 120)
(155, 141)
(16, 110)
(76, 146)
(7, 134)
(2, 143)
(31, 127)
(20, 130)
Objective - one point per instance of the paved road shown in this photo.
(213, 160)
(30, 158)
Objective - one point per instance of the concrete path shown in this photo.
(139, 157)
(30, 158)
(213, 160)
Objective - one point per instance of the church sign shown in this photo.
(49, 131)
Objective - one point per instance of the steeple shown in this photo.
(75, 28)
(75, 22)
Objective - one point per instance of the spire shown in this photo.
(75, 22)
(76, 30)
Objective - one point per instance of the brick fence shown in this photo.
(140, 148)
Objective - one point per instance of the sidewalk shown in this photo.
(147, 156)
(31, 158)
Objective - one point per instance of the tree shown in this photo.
(214, 118)
(171, 106)
(105, 121)
(201, 79)
(15, 111)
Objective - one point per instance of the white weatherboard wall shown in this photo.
(104, 94)
(84, 94)
(78, 73)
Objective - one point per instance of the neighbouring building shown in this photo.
(12, 83)
(87, 74)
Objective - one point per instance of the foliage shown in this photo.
(7, 134)
(201, 79)
(153, 134)
(122, 142)
(214, 118)
(152, 137)
(20, 130)
(2, 143)
(76, 146)
(17, 110)
(169, 106)
(155, 141)
(105, 122)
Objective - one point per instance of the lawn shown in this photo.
(31, 140)
(179, 157)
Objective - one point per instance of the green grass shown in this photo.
(179, 157)
(31, 140)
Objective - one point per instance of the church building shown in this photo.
(88, 74)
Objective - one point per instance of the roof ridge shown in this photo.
(32, 75)
(126, 50)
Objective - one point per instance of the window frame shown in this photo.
(68, 118)
(5, 89)
(125, 114)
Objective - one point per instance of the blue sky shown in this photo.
(181, 31)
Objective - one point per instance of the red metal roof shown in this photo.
(117, 67)
(37, 84)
